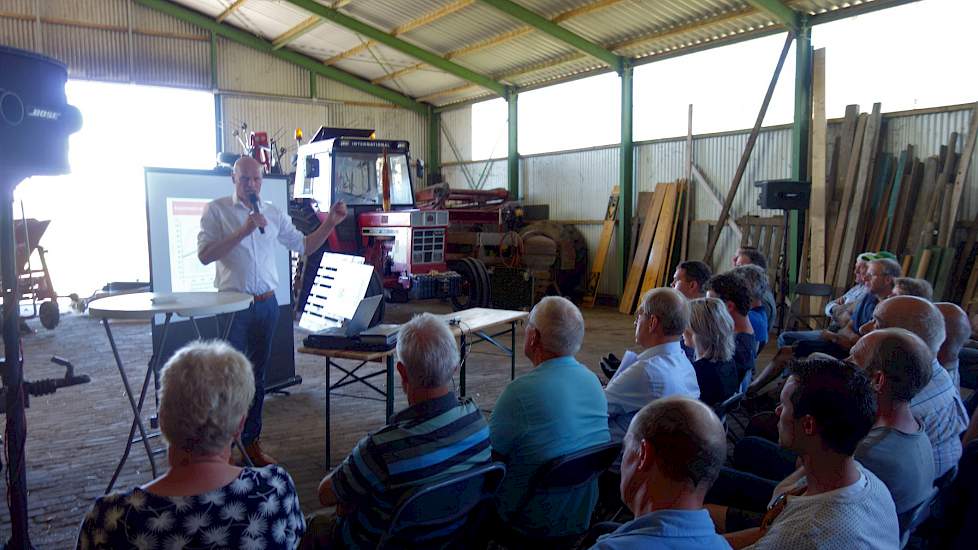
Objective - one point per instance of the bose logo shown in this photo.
(43, 113)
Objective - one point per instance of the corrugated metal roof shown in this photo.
(481, 38)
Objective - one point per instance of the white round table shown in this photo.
(146, 305)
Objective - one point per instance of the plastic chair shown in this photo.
(445, 514)
(803, 291)
(914, 517)
(564, 473)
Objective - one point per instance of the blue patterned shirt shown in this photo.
(939, 408)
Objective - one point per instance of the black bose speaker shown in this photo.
(784, 194)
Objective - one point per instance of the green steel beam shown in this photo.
(626, 175)
(393, 42)
(434, 145)
(789, 17)
(513, 158)
(546, 26)
(800, 139)
(308, 63)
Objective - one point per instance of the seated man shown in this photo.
(751, 256)
(662, 369)
(437, 435)
(760, 317)
(957, 330)
(938, 406)
(673, 451)
(839, 310)
(690, 278)
(733, 290)
(556, 409)
(909, 286)
(826, 408)
(879, 284)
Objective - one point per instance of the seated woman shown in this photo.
(202, 501)
(710, 333)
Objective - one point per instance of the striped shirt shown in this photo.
(422, 444)
(939, 408)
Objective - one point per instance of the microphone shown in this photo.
(254, 205)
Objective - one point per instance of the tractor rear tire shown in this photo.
(50, 314)
(475, 284)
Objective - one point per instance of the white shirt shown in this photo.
(250, 266)
(861, 516)
(659, 371)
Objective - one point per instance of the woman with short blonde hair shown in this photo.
(203, 500)
(711, 335)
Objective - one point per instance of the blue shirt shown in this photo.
(555, 409)
(666, 529)
(864, 311)
(759, 321)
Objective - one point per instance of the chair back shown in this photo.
(731, 403)
(914, 517)
(813, 289)
(571, 470)
(443, 514)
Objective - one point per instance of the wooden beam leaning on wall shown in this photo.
(607, 231)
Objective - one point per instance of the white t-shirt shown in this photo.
(861, 516)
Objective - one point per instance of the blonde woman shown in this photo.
(202, 501)
(710, 334)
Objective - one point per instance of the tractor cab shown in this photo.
(373, 177)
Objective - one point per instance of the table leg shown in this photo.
(136, 411)
(193, 321)
(154, 364)
(329, 365)
(389, 362)
(461, 369)
(512, 350)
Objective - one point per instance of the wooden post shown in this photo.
(687, 208)
(817, 209)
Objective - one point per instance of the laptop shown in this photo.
(361, 318)
(345, 337)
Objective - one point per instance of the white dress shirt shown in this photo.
(250, 266)
(659, 371)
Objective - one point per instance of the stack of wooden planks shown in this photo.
(656, 248)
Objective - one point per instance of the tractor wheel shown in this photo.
(475, 284)
(375, 287)
(49, 314)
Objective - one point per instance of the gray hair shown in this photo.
(560, 324)
(206, 389)
(909, 286)
(916, 315)
(669, 306)
(426, 347)
(687, 435)
(891, 268)
(712, 328)
(756, 278)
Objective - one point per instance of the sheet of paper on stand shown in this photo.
(340, 283)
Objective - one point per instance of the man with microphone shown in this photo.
(246, 263)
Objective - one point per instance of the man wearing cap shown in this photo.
(246, 263)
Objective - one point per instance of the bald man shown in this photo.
(957, 329)
(246, 263)
(672, 454)
(938, 405)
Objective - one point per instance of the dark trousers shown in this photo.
(251, 333)
(764, 458)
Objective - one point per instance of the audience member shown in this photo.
(938, 406)
(672, 453)
(690, 278)
(556, 409)
(897, 449)
(827, 407)
(747, 255)
(733, 291)
(957, 330)
(839, 310)
(661, 369)
(202, 501)
(909, 286)
(710, 333)
(760, 315)
(879, 284)
(437, 435)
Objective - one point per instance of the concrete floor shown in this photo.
(76, 436)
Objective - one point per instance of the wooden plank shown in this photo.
(637, 269)
(895, 194)
(852, 171)
(689, 184)
(924, 263)
(816, 212)
(905, 266)
(946, 178)
(855, 222)
(663, 236)
(704, 185)
(905, 209)
(942, 290)
(682, 198)
(928, 195)
(962, 172)
(610, 218)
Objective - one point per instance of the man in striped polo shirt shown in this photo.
(437, 435)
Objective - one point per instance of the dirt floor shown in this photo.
(76, 436)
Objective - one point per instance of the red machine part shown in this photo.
(408, 242)
(258, 143)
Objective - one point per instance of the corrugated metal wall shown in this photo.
(576, 184)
